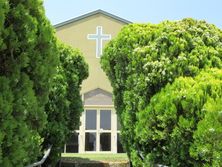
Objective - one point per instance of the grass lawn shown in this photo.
(94, 157)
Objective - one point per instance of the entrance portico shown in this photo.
(99, 130)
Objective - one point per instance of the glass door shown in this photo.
(90, 130)
(98, 128)
(99, 132)
(105, 130)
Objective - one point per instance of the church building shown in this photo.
(99, 130)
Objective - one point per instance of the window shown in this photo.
(90, 141)
(91, 120)
(105, 141)
(105, 119)
(100, 131)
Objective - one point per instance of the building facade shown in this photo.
(99, 130)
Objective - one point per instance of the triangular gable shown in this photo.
(91, 14)
(81, 33)
(98, 97)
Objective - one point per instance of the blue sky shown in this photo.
(139, 11)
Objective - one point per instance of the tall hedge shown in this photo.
(145, 57)
(65, 103)
(28, 60)
(207, 144)
(182, 124)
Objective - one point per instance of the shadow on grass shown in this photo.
(94, 160)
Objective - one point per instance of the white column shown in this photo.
(114, 132)
(82, 133)
(98, 130)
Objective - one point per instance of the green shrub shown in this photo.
(28, 57)
(37, 107)
(65, 104)
(207, 145)
(188, 107)
(145, 57)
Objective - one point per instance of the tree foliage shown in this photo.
(182, 123)
(207, 138)
(40, 79)
(145, 57)
(28, 57)
(65, 103)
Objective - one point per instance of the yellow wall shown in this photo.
(75, 34)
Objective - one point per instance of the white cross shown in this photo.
(99, 37)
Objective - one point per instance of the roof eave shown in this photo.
(91, 14)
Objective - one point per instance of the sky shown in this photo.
(138, 11)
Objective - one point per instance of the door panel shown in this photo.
(105, 141)
(99, 130)
(105, 119)
(90, 141)
(91, 120)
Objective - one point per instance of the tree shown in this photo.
(207, 138)
(28, 59)
(175, 127)
(145, 57)
(65, 104)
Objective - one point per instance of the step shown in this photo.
(94, 164)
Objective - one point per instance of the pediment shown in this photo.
(98, 97)
(85, 16)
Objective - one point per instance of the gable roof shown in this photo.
(91, 14)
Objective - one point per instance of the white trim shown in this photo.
(113, 131)
(82, 134)
(65, 148)
(91, 14)
(98, 131)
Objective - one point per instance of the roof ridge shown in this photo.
(91, 14)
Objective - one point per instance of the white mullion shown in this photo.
(114, 132)
(64, 148)
(90, 131)
(105, 131)
(82, 129)
(98, 130)
(82, 133)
